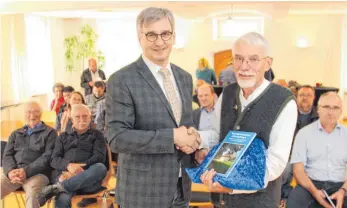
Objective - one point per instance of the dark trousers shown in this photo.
(87, 182)
(287, 178)
(299, 197)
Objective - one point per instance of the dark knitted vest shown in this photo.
(259, 117)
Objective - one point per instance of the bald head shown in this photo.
(329, 108)
(92, 64)
(206, 96)
(32, 112)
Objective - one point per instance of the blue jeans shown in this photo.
(87, 182)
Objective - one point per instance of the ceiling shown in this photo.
(192, 10)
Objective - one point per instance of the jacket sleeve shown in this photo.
(8, 161)
(58, 161)
(120, 120)
(84, 81)
(41, 164)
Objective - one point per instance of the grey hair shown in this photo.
(254, 38)
(77, 107)
(154, 14)
(330, 93)
(32, 102)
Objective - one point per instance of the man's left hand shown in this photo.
(339, 197)
(21, 174)
(206, 179)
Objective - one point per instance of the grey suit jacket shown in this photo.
(196, 117)
(140, 126)
(86, 77)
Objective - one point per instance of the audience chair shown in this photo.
(200, 196)
(48, 116)
(7, 127)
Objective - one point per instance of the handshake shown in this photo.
(187, 140)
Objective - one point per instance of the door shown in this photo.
(221, 59)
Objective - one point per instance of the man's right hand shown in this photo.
(320, 197)
(91, 83)
(75, 168)
(185, 142)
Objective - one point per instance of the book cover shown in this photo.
(230, 151)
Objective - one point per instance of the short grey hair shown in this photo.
(254, 38)
(327, 94)
(154, 14)
(32, 102)
(77, 107)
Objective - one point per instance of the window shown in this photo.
(39, 69)
(118, 41)
(344, 55)
(236, 27)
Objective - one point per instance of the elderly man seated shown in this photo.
(27, 155)
(320, 157)
(79, 158)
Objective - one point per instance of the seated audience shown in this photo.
(202, 117)
(293, 86)
(79, 158)
(227, 75)
(93, 99)
(67, 90)
(198, 83)
(64, 122)
(27, 155)
(281, 82)
(58, 97)
(306, 115)
(319, 158)
(100, 116)
(205, 73)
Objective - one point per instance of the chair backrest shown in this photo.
(110, 171)
(48, 116)
(7, 127)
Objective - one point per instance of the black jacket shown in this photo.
(86, 77)
(88, 148)
(32, 152)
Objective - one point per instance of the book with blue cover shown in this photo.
(230, 151)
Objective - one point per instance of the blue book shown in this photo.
(230, 151)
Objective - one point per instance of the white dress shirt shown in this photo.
(95, 75)
(154, 68)
(281, 135)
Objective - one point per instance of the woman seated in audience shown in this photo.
(58, 97)
(64, 122)
(204, 72)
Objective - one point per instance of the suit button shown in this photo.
(237, 127)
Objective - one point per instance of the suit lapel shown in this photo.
(152, 82)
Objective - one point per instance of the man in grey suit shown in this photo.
(148, 110)
(91, 75)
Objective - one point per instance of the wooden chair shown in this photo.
(7, 127)
(20, 194)
(199, 188)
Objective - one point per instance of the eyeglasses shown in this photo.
(82, 117)
(151, 36)
(35, 112)
(305, 95)
(330, 108)
(252, 61)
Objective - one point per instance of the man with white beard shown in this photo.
(253, 104)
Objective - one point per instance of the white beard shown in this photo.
(246, 83)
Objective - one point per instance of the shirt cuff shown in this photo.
(204, 140)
